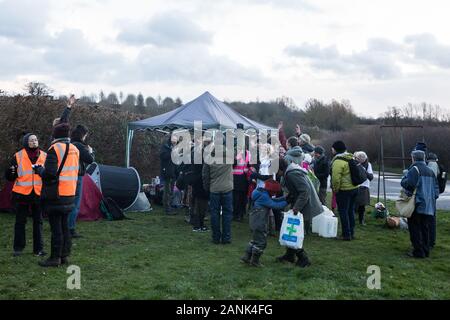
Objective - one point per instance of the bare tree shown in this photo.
(37, 89)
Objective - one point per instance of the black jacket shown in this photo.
(322, 170)
(165, 157)
(48, 174)
(85, 157)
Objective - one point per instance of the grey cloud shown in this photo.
(72, 58)
(18, 60)
(24, 21)
(168, 30)
(192, 64)
(378, 61)
(426, 48)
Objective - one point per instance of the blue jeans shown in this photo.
(346, 207)
(74, 214)
(216, 202)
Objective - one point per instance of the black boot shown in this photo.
(303, 260)
(247, 255)
(64, 261)
(74, 234)
(50, 262)
(256, 254)
(289, 256)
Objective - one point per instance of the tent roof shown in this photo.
(206, 108)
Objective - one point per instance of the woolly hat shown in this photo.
(421, 146)
(339, 146)
(305, 138)
(295, 155)
(61, 130)
(320, 150)
(272, 186)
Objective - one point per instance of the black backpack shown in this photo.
(357, 172)
(442, 178)
(111, 210)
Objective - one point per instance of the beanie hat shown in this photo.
(295, 155)
(339, 146)
(305, 138)
(320, 150)
(421, 146)
(61, 130)
(272, 186)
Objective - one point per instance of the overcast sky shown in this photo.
(374, 53)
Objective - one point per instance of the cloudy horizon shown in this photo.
(373, 54)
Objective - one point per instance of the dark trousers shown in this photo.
(22, 211)
(221, 224)
(168, 193)
(259, 221)
(419, 226)
(239, 204)
(61, 239)
(323, 196)
(433, 231)
(361, 213)
(200, 208)
(346, 207)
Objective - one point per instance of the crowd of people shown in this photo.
(50, 182)
(228, 191)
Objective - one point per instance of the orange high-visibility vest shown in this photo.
(67, 184)
(242, 164)
(27, 180)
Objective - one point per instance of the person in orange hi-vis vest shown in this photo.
(59, 176)
(26, 193)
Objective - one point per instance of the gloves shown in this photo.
(37, 168)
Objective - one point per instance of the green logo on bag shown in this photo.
(291, 229)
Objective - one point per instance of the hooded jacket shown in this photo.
(426, 185)
(261, 199)
(302, 194)
(341, 179)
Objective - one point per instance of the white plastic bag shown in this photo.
(292, 230)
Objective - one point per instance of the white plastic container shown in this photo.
(316, 221)
(328, 226)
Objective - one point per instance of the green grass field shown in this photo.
(159, 257)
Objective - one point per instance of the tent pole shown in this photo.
(130, 134)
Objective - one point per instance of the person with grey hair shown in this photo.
(363, 197)
(421, 180)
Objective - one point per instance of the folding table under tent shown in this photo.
(213, 114)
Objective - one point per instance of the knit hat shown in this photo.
(272, 186)
(320, 150)
(61, 130)
(360, 156)
(305, 138)
(418, 155)
(339, 146)
(421, 146)
(295, 155)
